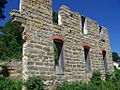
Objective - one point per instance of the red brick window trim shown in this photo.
(26, 36)
(103, 49)
(86, 45)
(58, 37)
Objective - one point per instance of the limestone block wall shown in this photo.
(38, 51)
(14, 69)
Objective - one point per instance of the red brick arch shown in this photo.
(86, 45)
(58, 37)
(26, 36)
(103, 49)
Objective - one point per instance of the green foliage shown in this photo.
(2, 6)
(57, 50)
(55, 17)
(115, 56)
(34, 83)
(96, 78)
(75, 86)
(9, 84)
(116, 79)
(112, 82)
(11, 42)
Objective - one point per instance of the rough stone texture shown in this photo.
(39, 32)
(14, 68)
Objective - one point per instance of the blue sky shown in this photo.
(105, 12)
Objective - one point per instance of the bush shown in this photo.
(112, 82)
(96, 78)
(68, 86)
(76, 86)
(34, 83)
(9, 84)
(116, 79)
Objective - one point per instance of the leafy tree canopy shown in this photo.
(11, 42)
(2, 6)
(115, 56)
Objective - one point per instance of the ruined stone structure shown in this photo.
(14, 69)
(70, 50)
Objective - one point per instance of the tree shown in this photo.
(11, 42)
(55, 17)
(2, 6)
(115, 56)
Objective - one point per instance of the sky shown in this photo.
(105, 12)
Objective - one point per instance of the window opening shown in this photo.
(101, 34)
(84, 25)
(58, 55)
(87, 60)
(105, 61)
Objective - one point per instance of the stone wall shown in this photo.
(14, 68)
(40, 32)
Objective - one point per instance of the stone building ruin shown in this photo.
(70, 50)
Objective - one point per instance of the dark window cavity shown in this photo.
(71, 15)
(87, 60)
(84, 25)
(83, 22)
(101, 34)
(105, 61)
(58, 55)
(70, 31)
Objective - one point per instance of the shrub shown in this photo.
(112, 82)
(96, 78)
(10, 84)
(116, 79)
(76, 86)
(34, 83)
(68, 86)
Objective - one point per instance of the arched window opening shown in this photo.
(58, 55)
(105, 61)
(87, 59)
(101, 34)
(84, 25)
